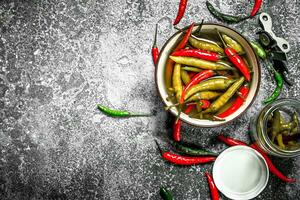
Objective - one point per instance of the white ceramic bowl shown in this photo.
(208, 29)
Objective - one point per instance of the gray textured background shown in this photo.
(59, 58)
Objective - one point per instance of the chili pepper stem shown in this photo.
(221, 38)
(198, 30)
(159, 148)
(155, 37)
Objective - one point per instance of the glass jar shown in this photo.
(259, 127)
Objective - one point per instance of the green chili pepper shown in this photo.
(165, 194)
(211, 84)
(193, 151)
(206, 95)
(205, 44)
(233, 44)
(203, 64)
(280, 141)
(275, 125)
(224, 17)
(286, 126)
(191, 69)
(224, 98)
(120, 113)
(185, 77)
(260, 52)
(279, 83)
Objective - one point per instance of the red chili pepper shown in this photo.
(198, 53)
(256, 7)
(244, 90)
(155, 51)
(213, 189)
(177, 124)
(205, 74)
(230, 141)
(236, 59)
(271, 166)
(185, 38)
(181, 10)
(184, 160)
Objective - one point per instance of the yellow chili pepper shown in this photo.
(205, 45)
(203, 64)
(217, 104)
(185, 77)
(177, 84)
(275, 124)
(232, 43)
(206, 95)
(212, 84)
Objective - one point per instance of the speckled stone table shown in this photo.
(59, 58)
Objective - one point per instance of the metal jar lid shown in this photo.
(240, 172)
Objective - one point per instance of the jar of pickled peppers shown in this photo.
(276, 128)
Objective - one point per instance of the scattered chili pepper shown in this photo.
(271, 166)
(244, 90)
(178, 123)
(120, 113)
(235, 59)
(177, 85)
(181, 10)
(184, 160)
(165, 194)
(205, 44)
(277, 91)
(224, 98)
(155, 51)
(256, 7)
(205, 74)
(192, 151)
(213, 189)
(196, 62)
(230, 141)
(212, 84)
(224, 17)
(260, 52)
(198, 53)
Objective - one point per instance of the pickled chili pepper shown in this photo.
(184, 160)
(120, 113)
(280, 141)
(155, 51)
(230, 141)
(256, 7)
(233, 44)
(177, 85)
(205, 44)
(260, 52)
(181, 10)
(205, 95)
(205, 74)
(178, 123)
(244, 90)
(224, 98)
(185, 77)
(202, 64)
(198, 53)
(213, 189)
(165, 194)
(275, 125)
(235, 59)
(212, 84)
(222, 16)
(182, 148)
(279, 84)
(191, 69)
(271, 166)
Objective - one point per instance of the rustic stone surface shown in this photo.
(59, 58)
